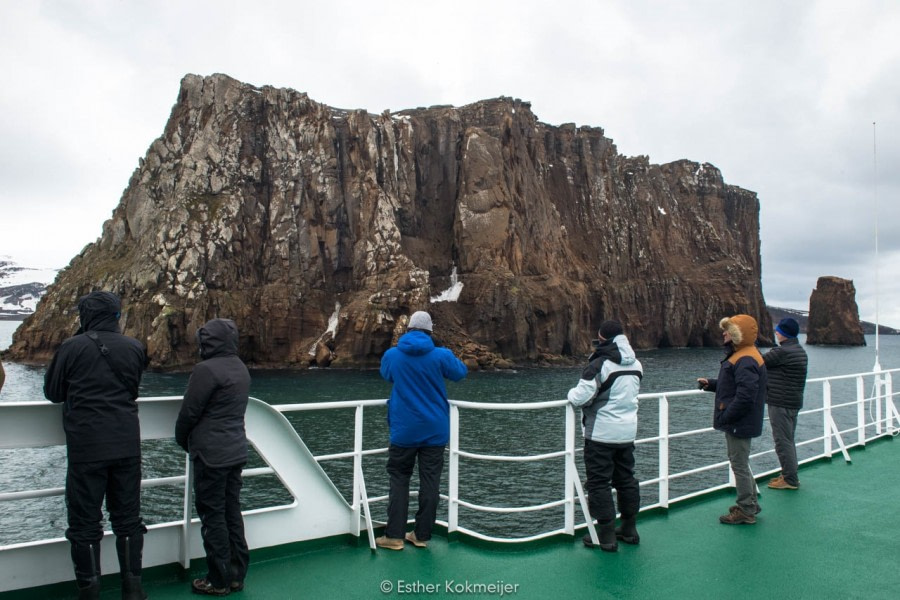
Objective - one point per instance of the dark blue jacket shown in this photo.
(418, 411)
(740, 396)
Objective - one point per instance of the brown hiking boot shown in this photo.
(389, 543)
(412, 539)
(779, 483)
(736, 516)
(205, 588)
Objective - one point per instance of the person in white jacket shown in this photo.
(607, 395)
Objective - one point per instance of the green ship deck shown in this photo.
(836, 537)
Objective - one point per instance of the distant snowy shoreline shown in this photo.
(21, 288)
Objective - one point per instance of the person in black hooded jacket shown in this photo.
(96, 374)
(210, 427)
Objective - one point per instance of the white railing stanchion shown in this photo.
(826, 419)
(571, 473)
(187, 508)
(889, 407)
(879, 392)
(831, 428)
(453, 474)
(367, 511)
(355, 505)
(860, 411)
(573, 480)
(664, 451)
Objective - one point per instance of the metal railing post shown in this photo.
(664, 451)
(826, 418)
(357, 470)
(889, 407)
(860, 411)
(186, 524)
(453, 475)
(879, 391)
(571, 473)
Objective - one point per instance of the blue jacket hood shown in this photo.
(415, 343)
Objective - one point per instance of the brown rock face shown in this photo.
(318, 230)
(833, 314)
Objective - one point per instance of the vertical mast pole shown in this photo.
(877, 366)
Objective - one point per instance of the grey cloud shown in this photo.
(778, 95)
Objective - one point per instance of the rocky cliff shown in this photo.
(833, 314)
(318, 230)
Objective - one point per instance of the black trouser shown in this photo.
(217, 494)
(400, 467)
(87, 483)
(611, 466)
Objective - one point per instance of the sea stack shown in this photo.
(833, 314)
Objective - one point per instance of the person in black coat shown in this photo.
(787, 366)
(740, 406)
(96, 374)
(210, 427)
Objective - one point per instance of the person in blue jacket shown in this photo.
(419, 420)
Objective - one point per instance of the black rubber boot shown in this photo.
(607, 535)
(86, 559)
(132, 588)
(89, 589)
(130, 551)
(627, 531)
(606, 532)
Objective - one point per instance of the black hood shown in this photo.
(218, 337)
(99, 311)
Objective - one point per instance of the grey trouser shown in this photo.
(739, 456)
(784, 424)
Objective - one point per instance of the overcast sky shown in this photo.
(781, 96)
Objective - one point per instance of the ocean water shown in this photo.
(500, 432)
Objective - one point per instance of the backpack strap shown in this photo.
(104, 352)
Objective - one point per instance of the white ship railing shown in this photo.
(874, 414)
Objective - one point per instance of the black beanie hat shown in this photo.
(610, 329)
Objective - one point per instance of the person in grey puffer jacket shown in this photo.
(210, 427)
(787, 367)
(607, 394)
